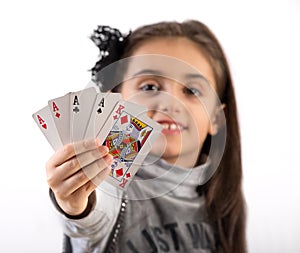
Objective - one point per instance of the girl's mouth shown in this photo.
(171, 127)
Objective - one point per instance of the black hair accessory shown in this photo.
(111, 43)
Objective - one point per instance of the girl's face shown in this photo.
(178, 107)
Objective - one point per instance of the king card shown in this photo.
(126, 133)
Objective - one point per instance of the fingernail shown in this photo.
(109, 159)
(103, 149)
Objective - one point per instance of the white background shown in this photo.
(45, 52)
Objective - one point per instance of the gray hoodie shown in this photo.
(162, 212)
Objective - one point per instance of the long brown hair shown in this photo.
(224, 198)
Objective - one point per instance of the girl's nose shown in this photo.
(170, 99)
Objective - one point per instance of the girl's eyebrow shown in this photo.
(149, 72)
(196, 76)
(159, 73)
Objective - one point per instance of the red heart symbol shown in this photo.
(44, 126)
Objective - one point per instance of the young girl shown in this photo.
(199, 205)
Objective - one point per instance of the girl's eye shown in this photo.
(192, 91)
(149, 87)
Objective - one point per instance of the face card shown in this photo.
(81, 105)
(126, 134)
(59, 108)
(103, 106)
(44, 120)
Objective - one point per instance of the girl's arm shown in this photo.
(93, 229)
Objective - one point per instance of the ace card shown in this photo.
(44, 120)
(81, 105)
(59, 108)
(103, 106)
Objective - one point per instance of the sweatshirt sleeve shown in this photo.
(90, 231)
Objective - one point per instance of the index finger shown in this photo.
(70, 150)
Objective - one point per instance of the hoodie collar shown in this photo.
(157, 177)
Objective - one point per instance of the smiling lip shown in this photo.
(171, 127)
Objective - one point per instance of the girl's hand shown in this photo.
(74, 172)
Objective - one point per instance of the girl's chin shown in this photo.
(166, 147)
(170, 156)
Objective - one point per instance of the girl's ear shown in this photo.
(217, 121)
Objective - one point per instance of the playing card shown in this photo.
(60, 112)
(103, 106)
(44, 120)
(126, 133)
(81, 105)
